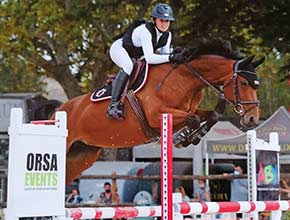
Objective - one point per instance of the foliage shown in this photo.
(12, 78)
(272, 24)
(286, 215)
(69, 40)
(273, 92)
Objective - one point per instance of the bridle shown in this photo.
(237, 103)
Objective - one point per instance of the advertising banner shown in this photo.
(36, 169)
(267, 172)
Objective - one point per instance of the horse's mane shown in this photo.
(216, 46)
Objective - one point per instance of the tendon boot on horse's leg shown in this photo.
(180, 138)
(197, 135)
(115, 111)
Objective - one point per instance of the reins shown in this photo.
(236, 103)
(158, 87)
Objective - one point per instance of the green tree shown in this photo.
(255, 27)
(15, 77)
(69, 40)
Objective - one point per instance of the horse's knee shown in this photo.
(193, 122)
(213, 117)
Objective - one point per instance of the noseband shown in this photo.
(237, 103)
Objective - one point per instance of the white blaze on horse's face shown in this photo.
(162, 25)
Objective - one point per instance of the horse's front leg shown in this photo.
(193, 135)
(211, 117)
(203, 114)
(188, 122)
(196, 136)
(192, 132)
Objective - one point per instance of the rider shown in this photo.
(137, 42)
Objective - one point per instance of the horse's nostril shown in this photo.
(252, 119)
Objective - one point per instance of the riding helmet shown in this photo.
(162, 11)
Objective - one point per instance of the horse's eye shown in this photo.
(244, 83)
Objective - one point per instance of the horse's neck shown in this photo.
(216, 69)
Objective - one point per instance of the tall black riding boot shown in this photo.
(114, 110)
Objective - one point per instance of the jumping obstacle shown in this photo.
(183, 208)
(166, 167)
(37, 171)
(36, 167)
(264, 157)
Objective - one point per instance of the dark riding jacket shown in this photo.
(137, 52)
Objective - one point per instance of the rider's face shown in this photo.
(162, 25)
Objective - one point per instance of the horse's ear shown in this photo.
(228, 45)
(248, 60)
(258, 62)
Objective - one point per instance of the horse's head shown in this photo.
(241, 88)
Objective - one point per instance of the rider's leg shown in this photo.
(118, 86)
(120, 57)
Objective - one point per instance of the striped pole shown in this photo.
(232, 207)
(113, 212)
(184, 209)
(166, 167)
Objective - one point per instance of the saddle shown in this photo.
(136, 78)
(136, 82)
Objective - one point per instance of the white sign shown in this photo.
(36, 168)
(254, 144)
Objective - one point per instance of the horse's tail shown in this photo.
(40, 108)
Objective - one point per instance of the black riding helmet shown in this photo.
(162, 11)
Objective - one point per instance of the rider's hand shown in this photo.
(177, 50)
(176, 58)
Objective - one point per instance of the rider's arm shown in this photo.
(146, 44)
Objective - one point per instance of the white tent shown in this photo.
(222, 129)
(278, 122)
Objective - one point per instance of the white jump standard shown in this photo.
(36, 168)
(36, 178)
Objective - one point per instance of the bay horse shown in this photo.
(180, 95)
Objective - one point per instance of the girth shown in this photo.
(151, 133)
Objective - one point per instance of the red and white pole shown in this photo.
(166, 167)
(184, 209)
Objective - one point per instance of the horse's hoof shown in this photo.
(195, 141)
(185, 143)
(182, 144)
(178, 145)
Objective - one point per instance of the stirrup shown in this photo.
(115, 111)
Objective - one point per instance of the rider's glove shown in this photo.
(177, 49)
(177, 58)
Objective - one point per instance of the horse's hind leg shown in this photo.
(79, 158)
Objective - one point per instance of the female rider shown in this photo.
(138, 42)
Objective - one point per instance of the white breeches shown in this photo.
(120, 56)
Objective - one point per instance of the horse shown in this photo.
(180, 95)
